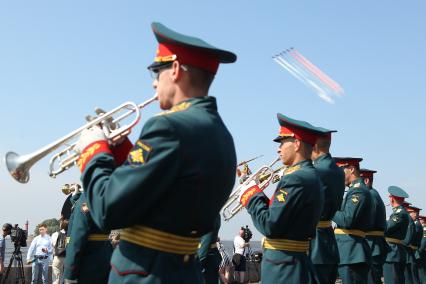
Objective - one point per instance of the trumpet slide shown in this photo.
(19, 166)
(263, 176)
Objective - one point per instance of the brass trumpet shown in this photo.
(70, 188)
(263, 176)
(19, 166)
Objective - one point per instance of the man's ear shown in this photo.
(297, 144)
(176, 72)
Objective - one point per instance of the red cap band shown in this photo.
(186, 55)
(298, 133)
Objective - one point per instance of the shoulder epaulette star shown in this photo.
(357, 185)
(398, 210)
(179, 107)
(291, 170)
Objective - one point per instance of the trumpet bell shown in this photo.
(263, 176)
(18, 167)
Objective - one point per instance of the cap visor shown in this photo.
(278, 139)
(156, 65)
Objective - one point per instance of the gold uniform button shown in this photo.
(186, 258)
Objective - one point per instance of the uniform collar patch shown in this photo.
(291, 170)
(356, 185)
(179, 107)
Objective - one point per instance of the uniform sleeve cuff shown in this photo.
(92, 150)
(248, 194)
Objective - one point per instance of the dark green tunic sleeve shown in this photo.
(270, 220)
(139, 184)
(353, 206)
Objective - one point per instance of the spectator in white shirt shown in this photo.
(58, 244)
(5, 231)
(39, 254)
(239, 259)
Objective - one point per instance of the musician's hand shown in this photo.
(76, 188)
(1, 267)
(88, 137)
(108, 126)
(247, 191)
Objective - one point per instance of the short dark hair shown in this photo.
(199, 78)
(42, 225)
(7, 227)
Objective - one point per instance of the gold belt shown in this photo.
(324, 224)
(394, 241)
(375, 233)
(284, 244)
(159, 240)
(357, 233)
(413, 247)
(98, 237)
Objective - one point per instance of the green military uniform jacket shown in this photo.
(293, 215)
(417, 239)
(209, 255)
(396, 228)
(355, 214)
(421, 258)
(409, 237)
(323, 248)
(175, 180)
(378, 244)
(74, 198)
(87, 261)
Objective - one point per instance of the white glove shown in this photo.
(252, 187)
(108, 122)
(89, 136)
(108, 126)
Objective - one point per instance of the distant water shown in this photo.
(229, 246)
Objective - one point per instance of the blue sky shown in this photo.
(60, 59)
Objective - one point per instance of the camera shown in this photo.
(18, 236)
(247, 234)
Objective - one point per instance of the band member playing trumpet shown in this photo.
(290, 218)
(177, 176)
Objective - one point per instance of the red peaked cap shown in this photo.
(347, 161)
(411, 208)
(298, 129)
(365, 173)
(187, 50)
